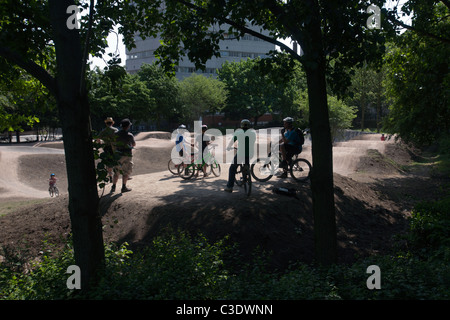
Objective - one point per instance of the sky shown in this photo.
(115, 44)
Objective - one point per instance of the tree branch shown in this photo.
(86, 48)
(418, 31)
(245, 29)
(31, 67)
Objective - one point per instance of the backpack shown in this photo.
(300, 134)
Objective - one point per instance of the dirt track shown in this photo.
(367, 216)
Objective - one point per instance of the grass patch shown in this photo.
(10, 206)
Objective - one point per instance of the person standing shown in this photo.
(246, 139)
(124, 144)
(202, 141)
(107, 138)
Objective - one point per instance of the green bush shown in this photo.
(430, 226)
(178, 266)
(175, 266)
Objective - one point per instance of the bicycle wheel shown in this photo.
(186, 171)
(238, 177)
(262, 170)
(215, 168)
(300, 170)
(50, 191)
(173, 166)
(247, 182)
(56, 191)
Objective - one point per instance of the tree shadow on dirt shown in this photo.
(279, 225)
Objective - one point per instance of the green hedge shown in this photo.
(178, 266)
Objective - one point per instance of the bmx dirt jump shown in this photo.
(375, 189)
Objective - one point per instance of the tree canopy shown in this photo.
(418, 79)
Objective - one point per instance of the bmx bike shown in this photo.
(53, 191)
(263, 169)
(187, 171)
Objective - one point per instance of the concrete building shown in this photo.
(230, 50)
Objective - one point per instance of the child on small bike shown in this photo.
(52, 180)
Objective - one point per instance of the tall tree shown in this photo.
(164, 90)
(201, 95)
(326, 31)
(418, 76)
(252, 92)
(34, 35)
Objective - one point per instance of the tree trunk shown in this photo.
(75, 119)
(322, 153)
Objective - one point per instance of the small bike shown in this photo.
(53, 190)
(243, 178)
(264, 168)
(187, 171)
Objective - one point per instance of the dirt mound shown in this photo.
(277, 224)
(368, 214)
(153, 134)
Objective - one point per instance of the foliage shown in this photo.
(252, 92)
(341, 115)
(22, 98)
(164, 90)
(200, 95)
(368, 91)
(430, 225)
(42, 278)
(114, 93)
(419, 82)
(179, 266)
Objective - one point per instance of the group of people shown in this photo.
(291, 143)
(118, 144)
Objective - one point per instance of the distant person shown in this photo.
(107, 137)
(202, 142)
(124, 144)
(383, 138)
(52, 181)
(291, 143)
(180, 140)
(246, 143)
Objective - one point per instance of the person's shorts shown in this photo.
(125, 165)
(291, 150)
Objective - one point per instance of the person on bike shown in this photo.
(52, 181)
(290, 144)
(180, 140)
(202, 142)
(124, 144)
(107, 137)
(246, 144)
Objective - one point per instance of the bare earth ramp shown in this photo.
(369, 210)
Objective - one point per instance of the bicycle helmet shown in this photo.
(182, 126)
(204, 126)
(245, 124)
(288, 119)
(52, 174)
